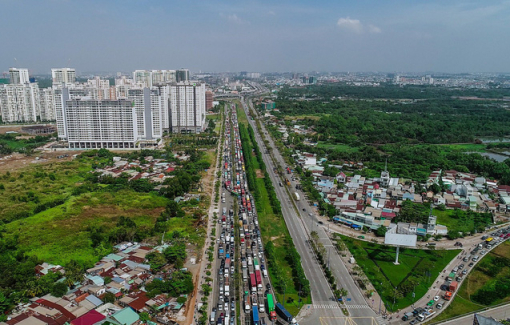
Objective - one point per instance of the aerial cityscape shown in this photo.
(218, 163)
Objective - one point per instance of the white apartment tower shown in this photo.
(94, 124)
(148, 108)
(18, 76)
(187, 107)
(63, 75)
(20, 103)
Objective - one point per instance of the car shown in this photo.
(268, 286)
(464, 272)
(304, 209)
(226, 306)
(232, 314)
(431, 303)
(444, 287)
(321, 223)
(436, 298)
(439, 305)
(471, 264)
(414, 321)
(361, 237)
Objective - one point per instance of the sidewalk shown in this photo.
(375, 301)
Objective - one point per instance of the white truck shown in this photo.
(426, 315)
(227, 288)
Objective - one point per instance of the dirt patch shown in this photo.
(259, 173)
(7, 128)
(16, 161)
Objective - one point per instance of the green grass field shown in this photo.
(376, 261)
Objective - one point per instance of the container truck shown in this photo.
(270, 308)
(283, 313)
(453, 286)
(247, 303)
(256, 264)
(258, 278)
(253, 283)
(227, 287)
(255, 315)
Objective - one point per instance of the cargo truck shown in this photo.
(453, 286)
(270, 307)
(227, 288)
(283, 313)
(255, 315)
(426, 315)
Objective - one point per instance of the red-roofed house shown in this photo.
(89, 318)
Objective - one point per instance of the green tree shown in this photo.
(174, 252)
(156, 261)
(59, 289)
(381, 231)
(109, 297)
(144, 317)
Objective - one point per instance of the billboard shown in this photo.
(400, 240)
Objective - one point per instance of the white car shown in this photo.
(436, 298)
(226, 306)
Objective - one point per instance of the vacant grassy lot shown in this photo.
(60, 234)
(339, 147)
(477, 279)
(34, 185)
(376, 261)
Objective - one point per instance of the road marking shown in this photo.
(338, 306)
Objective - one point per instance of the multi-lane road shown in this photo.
(301, 222)
(240, 272)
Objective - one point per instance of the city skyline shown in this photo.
(256, 36)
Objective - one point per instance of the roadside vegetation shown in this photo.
(284, 262)
(487, 285)
(416, 273)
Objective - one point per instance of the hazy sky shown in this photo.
(278, 35)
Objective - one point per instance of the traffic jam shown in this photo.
(257, 303)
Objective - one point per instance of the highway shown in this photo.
(300, 223)
(239, 251)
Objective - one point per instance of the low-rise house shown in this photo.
(125, 316)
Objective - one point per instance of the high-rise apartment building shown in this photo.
(20, 102)
(148, 108)
(142, 78)
(63, 75)
(182, 75)
(208, 100)
(18, 76)
(100, 123)
(187, 107)
(47, 100)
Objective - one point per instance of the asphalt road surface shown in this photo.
(325, 309)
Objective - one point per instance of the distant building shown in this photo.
(208, 100)
(20, 102)
(94, 124)
(187, 107)
(18, 76)
(63, 75)
(182, 75)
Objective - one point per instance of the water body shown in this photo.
(493, 156)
